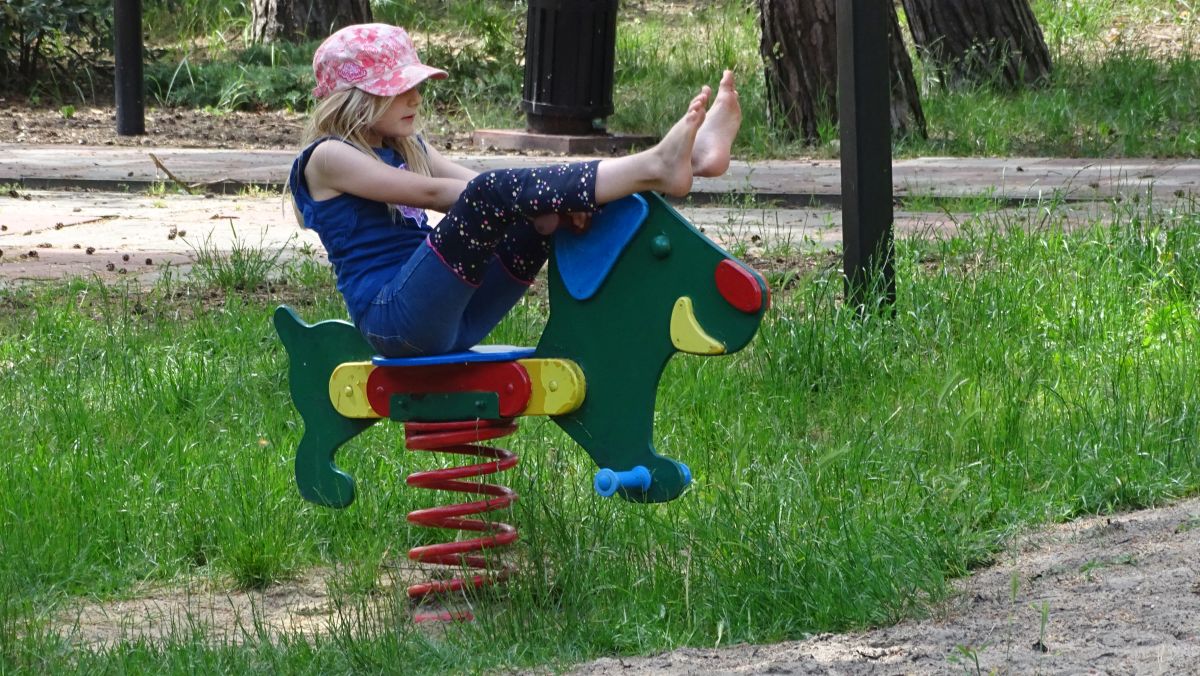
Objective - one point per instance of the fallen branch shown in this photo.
(98, 219)
(174, 179)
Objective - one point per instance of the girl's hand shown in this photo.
(546, 224)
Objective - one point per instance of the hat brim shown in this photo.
(401, 79)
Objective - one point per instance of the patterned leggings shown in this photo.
(477, 263)
(492, 217)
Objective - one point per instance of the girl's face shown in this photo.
(400, 118)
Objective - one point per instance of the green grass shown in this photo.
(1067, 26)
(244, 267)
(927, 201)
(1102, 101)
(1128, 105)
(846, 467)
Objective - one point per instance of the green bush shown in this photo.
(485, 63)
(49, 41)
(225, 86)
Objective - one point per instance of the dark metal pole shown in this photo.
(864, 99)
(127, 51)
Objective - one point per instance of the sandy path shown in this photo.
(1122, 595)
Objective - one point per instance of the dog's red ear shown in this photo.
(585, 259)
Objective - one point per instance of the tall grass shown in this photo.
(244, 267)
(846, 466)
(1078, 26)
(1128, 105)
(210, 22)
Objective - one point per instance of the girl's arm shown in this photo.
(443, 168)
(337, 168)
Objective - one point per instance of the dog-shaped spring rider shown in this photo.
(636, 287)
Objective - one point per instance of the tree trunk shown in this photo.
(907, 116)
(296, 20)
(799, 50)
(972, 42)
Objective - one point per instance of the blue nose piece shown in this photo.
(607, 481)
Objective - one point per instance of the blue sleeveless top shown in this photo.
(367, 242)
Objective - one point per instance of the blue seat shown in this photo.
(479, 353)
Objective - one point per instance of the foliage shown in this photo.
(54, 39)
(476, 44)
(223, 86)
(1104, 98)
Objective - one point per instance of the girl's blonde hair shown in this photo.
(348, 114)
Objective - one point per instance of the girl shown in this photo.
(365, 178)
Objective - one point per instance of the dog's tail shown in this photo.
(314, 351)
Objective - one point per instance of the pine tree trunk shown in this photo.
(972, 42)
(799, 50)
(295, 20)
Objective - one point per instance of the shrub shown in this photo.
(51, 39)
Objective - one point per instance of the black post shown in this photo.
(127, 51)
(864, 99)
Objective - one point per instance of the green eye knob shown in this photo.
(661, 247)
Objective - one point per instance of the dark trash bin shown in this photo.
(569, 50)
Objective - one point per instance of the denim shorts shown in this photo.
(427, 309)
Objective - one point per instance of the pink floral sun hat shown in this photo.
(374, 57)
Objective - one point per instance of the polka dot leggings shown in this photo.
(492, 218)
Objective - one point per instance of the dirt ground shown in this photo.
(1102, 595)
(179, 128)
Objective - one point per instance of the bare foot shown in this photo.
(674, 151)
(710, 155)
(665, 168)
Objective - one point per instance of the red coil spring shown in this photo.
(462, 438)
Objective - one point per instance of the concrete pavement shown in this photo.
(113, 228)
(787, 182)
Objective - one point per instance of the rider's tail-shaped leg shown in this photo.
(314, 351)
